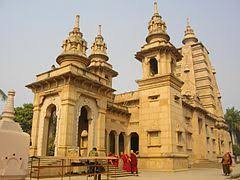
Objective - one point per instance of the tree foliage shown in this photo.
(3, 96)
(232, 117)
(236, 150)
(24, 115)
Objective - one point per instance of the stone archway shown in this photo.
(112, 142)
(50, 130)
(134, 141)
(121, 142)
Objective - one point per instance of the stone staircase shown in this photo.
(115, 172)
(205, 163)
(50, 171)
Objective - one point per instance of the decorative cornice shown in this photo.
(118, 109)
(72, 75)
(162, 48)
(159, 81)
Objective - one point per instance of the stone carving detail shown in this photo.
(75, 44)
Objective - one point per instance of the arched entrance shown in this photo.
(121, 142)
(112, 142)
(83, 131)
(51, 122)
(134, 141)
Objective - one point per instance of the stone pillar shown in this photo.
(100, 127)
(117, 143)
(100, 132)
(91, 134)
(163, 64)
(107, 144)
(34, 132)
(127, 143)
(66, 129)
(67, 121)
(14, 144)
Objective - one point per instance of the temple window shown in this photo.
(153, 66)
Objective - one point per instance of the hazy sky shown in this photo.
(32, 32)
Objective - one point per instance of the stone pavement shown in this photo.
(193, 174)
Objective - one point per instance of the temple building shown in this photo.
(174, 119)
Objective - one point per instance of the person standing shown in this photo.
(126, 162)
(226, 163)
(93, 163)
(133, 162)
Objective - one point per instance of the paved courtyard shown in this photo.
(193, 174)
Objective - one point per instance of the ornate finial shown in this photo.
(189, 35)
(75, 43)
(157, 27)
(188, 21)
(155, 7)
(99, 47)
(8, 111)
(100, 30)
(76, 25)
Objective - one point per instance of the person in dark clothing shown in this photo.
(226, 163)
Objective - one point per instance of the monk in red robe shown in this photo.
(133, 158)
(126, 163)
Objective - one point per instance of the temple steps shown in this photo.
(205, 163)
(51, 171)
(116, 172)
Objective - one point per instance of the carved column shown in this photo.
(35, 127)
(117, 143)
(127, 143)
(34, 132)
(107, 144)
(100, 127)
(67, 117)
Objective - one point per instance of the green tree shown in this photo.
(236, 150)
(3, 96)
(24, 115)
(232, 117)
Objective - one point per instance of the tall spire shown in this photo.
(100, 30)
(76, 25)
(99, 47)
(157, 27)
(74, 45)
(189, 36)
(155, 7)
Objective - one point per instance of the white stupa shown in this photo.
(14, 144)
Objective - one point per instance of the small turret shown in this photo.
(99, 58)
(99, 48)
(189, 36)
(157, 28)
(74, 48)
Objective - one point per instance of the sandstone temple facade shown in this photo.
(173, 119)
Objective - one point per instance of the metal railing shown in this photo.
(61, 167)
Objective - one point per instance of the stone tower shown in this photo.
(70, 101)
(160, 106)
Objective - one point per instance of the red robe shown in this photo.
(115, 161)
(126, 163)
(133, 162)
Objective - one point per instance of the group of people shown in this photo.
(125, 162)
(129, 163)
